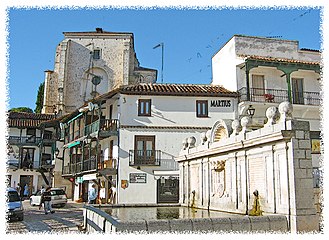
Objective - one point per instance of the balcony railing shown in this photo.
(93, 127)
(111, 163)
(89, 164)
(278, 96)
(32, 140)
(106, 127)
(144, 157)
(79, 167)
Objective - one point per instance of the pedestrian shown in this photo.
(19, 189)
(113, 194)
(46, 200)
(26, 191)
(92, 194)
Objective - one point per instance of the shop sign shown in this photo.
(137, 177)
(220, 103)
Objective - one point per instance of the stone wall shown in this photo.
(274, 160)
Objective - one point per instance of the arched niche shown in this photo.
(221, 129)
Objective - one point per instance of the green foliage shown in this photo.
(21, 109)
(39, 101)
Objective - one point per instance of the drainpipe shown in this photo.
(208, 184)
(202, 191)
(118, 158)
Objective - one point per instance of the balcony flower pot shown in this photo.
(269, 97)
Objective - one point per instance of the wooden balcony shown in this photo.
(31, 141)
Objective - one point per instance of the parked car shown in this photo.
(58, 198)
(14, 205)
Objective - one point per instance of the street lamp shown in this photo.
(162, 53)
(251, 111)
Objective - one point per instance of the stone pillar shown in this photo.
(303, 216)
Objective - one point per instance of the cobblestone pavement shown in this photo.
(64, 220)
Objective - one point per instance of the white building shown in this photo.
(129, 137)
(88, 64)
(268, 71)
(30, 150)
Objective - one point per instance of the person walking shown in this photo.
(46, 200)
(92, 194)
(26, 191)
(113, 194)
(19, 189)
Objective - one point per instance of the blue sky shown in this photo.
(191, 37)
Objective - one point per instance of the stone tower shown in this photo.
(88, 64)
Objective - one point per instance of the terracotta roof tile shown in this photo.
(273, 59)
(30, 120)
(177, 89)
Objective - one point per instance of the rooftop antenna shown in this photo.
(162, 51)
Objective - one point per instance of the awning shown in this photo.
(73, 144)
(76, 142)
(75, 117)
(89, 176)
(166, 173)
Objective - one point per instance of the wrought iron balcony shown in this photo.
(16, 140)
(144, 157)
(278, 96)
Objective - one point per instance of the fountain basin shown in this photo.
(174, 218)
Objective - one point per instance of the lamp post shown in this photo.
(162, 56)
(251, 111)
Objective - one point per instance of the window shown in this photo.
(258, 87)
(97, 54)
(144, 150)
(297, 90)
(202, 108)
(144, 107)
(30, 131)
(27, 157)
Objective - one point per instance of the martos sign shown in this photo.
(220, 103)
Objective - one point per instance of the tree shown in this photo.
(39, 102)
(21, 109)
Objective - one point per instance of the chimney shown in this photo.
(99, 30)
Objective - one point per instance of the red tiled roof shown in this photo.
(177, 90)
(31, 120)
(169, 90)
(272, 59)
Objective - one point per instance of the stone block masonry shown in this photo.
(274, 160)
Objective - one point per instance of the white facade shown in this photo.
(267, 71)
(30, 149)
(168, 114)
(143, 149)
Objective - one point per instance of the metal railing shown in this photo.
(24, 140)
(278, 96)
(89, 164)
(144, 157)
